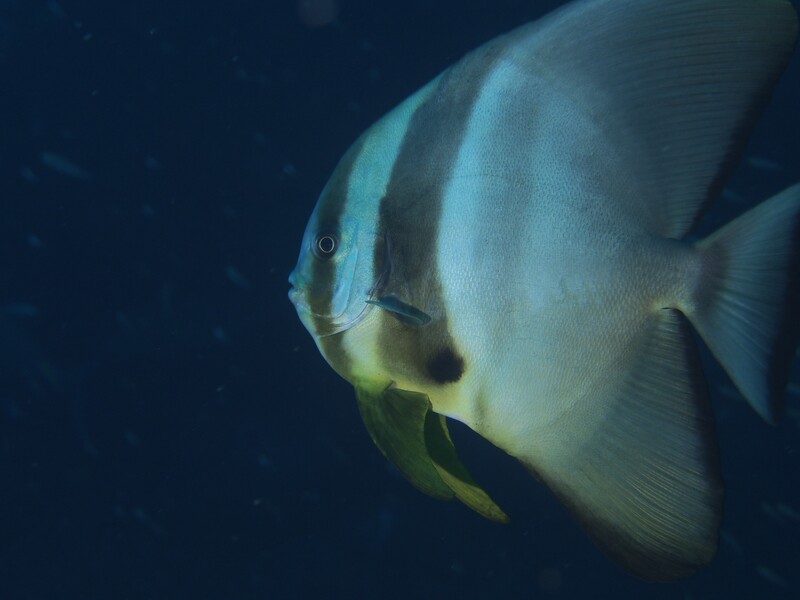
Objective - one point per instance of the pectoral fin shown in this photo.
(416, 441)
(410, 315)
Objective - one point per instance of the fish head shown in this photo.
(347, 273)
(334, 277)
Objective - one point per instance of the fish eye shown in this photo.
(325, 245)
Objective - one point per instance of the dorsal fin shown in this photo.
(676, 85)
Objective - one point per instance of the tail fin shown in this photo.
(747, 308)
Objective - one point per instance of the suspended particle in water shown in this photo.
(317, 13)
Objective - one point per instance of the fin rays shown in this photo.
(417, 442)
(677, 85)
(744, 303)
(645, 483)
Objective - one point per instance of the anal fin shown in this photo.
(639, 465)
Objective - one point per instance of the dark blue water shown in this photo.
(167, 427)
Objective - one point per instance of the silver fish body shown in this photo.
(507, 248)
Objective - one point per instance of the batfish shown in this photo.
(512, 247)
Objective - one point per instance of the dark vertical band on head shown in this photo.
(324, 274)
(331, 206)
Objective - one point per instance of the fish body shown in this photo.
(507, 248)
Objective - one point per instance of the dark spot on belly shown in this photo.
(445, 366)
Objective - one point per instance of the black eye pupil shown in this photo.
(326, 245)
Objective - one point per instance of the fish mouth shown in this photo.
(296, 292)
(295, 296)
